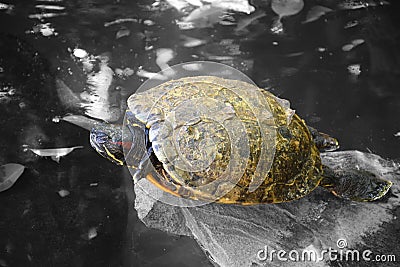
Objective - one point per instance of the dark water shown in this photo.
(95, 224)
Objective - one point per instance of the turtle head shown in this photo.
(106, 139)
(323, 141)
(329, 143)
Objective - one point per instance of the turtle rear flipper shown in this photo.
(356, 185)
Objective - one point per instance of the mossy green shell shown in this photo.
(295, 168)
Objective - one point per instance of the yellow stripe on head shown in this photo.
(113, 158)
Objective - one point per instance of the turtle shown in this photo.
(193, 127)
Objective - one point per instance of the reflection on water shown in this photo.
(336, 61)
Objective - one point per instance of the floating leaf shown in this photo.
(44, 28)
(195, 2)
(92, 233)
(178, 4)
(227, 23)
(295, 54)
(56, 119)
(347, 47)
(45, 15)
(183, 26)
(234, 5)
(201, 13)
(121, 33)
(351, 24)
(164, 55)
(284, 8)
(54, 153)
(316, 12)
(119, 21)
(244, 22)
(148, 22)
(122, 73)
(204, 16)
(6, 6)
(220, 58)
(63, 193)
(119, 72)
(287, 7)
(150, 75)
(354, 69)
(356, 42)
(9, 174)
(191, 42)
(357, 4)
(80, 53)
(128, 72)
(50, 7)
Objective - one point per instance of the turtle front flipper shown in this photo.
(354, 184)
(323, 141)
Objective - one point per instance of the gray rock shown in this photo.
(233, 235)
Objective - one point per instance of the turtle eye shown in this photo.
(99, 137)
(102, 138)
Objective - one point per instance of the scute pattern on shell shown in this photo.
(194, 156)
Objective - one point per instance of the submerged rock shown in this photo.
(240, 235)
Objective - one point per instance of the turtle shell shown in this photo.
(226, 141)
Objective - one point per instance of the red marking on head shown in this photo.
(123, 144)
